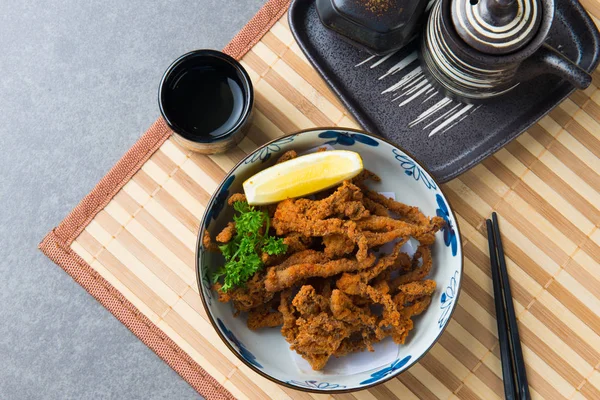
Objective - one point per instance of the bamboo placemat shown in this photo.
(131, 241)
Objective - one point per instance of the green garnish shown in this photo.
(274, 246)
(242, 252)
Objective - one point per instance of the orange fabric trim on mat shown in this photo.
(132, 318)
(56, 244)
(256, 28)
(112, 182)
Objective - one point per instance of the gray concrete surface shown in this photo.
(78, 83)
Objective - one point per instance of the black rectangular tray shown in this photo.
(390, 97)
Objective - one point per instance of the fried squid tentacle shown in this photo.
(304, 256)
(288, 155)
(343, 308)
(418, 273)
(375, 208)
(307, 301)
(411, 292)
(335, 204)
(337, 245)
(376, 239)
(365, 175)
(227, 233)
(423, 233)
(416, 308)
(317, 338)
(264, 317)
(296, 242)
(350, 345)
(356, 283)
(404, 211)
(235, 198)
(248, 297)
(207, 242)
(321, 228)
(279, 279)
(289, 329)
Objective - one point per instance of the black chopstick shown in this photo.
(511, 354)
(505, 353)
(513, 328)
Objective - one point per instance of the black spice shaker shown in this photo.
(378, 26)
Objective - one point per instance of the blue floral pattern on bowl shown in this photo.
(411, 168)
(447, 300)
(215, 209)
(243, 350)
(266, 152)
(311, 384)
(382, 373)
(449, 233)
(347, 139)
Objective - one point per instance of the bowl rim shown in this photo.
(202, 229)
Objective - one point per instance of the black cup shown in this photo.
(206, 98)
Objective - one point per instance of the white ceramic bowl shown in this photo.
(266, 351)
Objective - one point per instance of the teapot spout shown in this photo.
(547, 60)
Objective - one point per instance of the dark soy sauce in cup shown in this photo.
(206, 102)
(204, 96)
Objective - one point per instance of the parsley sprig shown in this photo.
(242, 252)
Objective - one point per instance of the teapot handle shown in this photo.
(547, 60)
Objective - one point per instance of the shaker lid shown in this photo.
(496, 26)
(378, 26)
(376, 15)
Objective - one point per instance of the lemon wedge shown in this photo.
(302, 176)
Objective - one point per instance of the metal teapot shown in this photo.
(476, 50)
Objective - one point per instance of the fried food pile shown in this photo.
(332, 292)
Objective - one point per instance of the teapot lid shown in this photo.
(496, 26)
